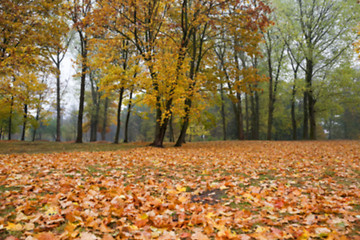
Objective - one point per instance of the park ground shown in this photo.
(216, 190)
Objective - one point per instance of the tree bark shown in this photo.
(79, 138)
(104, 126)
(257, 115)
(58, 103)
(223, 111)
(171, 130)
(94, 110)
(126, 137)
(118, 118)
(311, 100)
(24, 122)
(10, 117)
(268, 45)
(306, 116)
(293, 117)
(37, 120)
(247, 116)
(239, 119)
(240, 125)
(273, 83)
(255, 127)
(185, 125)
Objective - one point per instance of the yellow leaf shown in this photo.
(14, 227)
(181, 189)
(144, 216)
(304, 236)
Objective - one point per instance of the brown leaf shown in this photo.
(46, 236)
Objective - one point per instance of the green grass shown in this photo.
(15, 147)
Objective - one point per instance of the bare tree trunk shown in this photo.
(10, 117)
(58, 103)
(79, 138)
(223, 111)
(171, 130)
(295, 66)
(306, 117)
(255, 123)
(37, 120)
(185, 125)
(104, 126)
(293, 117)
(253, 116)
(159, 138)
(240, 118)
(257, 115)
(24, 122)
(311, 100)
(95, 109)
(126, 137)
(118, 119)
(247, 116)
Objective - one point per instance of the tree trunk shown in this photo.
(95, 109)
(79, 138)
(58, 104)
(293, 98)
(96, 122)
(118, 118)
(37, 120)
(126, 137)
(253, 117)
(306, 117)
(197, 55)
(257, 115)
(293, 117)
(181, 138)
(312, 116)
(171, 130)
(311, 100)
(160, 136)
(271, 94)
(240, 125)
(247, 116)
(273, 84)
(24, 122)
(270, 119)
(104, 126)
(10, 117)
(223, 111)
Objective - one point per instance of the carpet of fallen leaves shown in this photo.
(219, 190)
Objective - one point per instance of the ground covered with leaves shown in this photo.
(219, 190)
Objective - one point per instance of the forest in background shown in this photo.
(180, 71)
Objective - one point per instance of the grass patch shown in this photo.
(15, 147)
(3, 188)
(7, 210)
(241, 205)
(356, 207)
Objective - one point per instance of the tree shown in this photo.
(237, 24)
(323, 31)
(275, 51)
(57, 47)
(79, 11)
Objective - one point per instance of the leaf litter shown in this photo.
(232, 190)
